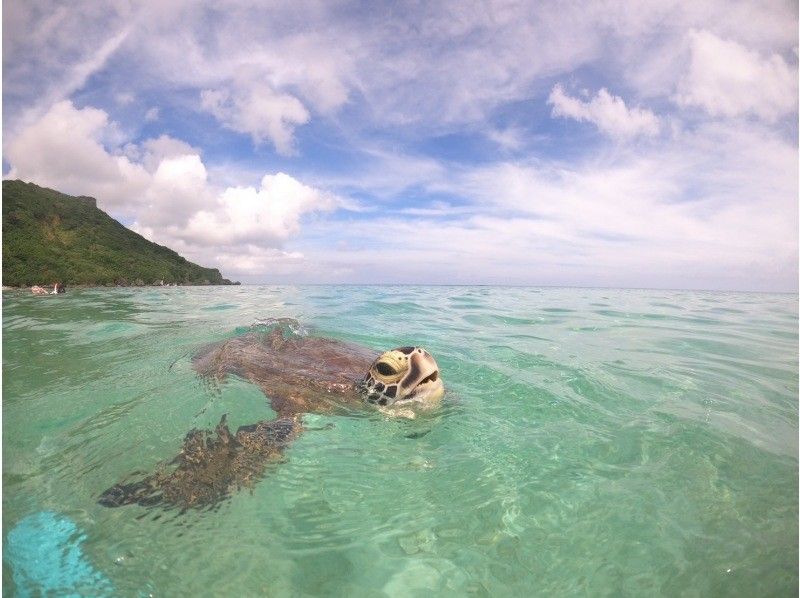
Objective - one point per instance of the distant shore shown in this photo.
(122, 286)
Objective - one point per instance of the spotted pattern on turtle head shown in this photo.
(402, 375)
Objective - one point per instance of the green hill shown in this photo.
(49, 236)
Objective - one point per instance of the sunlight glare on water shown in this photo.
(592, 441)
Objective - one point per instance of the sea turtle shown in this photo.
(299, 374)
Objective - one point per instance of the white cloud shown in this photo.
(152, 114)
(155, 150)
(266, 70)
(177, 189)
(50, 50)
(162, 184)
(727, 79)
(261, 217)
(124, 98)
(716, 207)
(64, 150)
(258, 111)
(509, 139)
(724, 187)
(609, 113)
(254, 261)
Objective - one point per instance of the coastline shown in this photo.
(134, 286)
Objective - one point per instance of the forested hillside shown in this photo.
(49, 236)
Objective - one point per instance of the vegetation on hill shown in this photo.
(49, 236)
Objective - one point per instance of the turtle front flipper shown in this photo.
(210, 466)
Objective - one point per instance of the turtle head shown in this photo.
(403, 376)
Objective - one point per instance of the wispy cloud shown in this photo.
(726, 79)
(542, 142)
(609, 113)
(259, 112)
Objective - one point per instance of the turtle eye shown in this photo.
(385, 369)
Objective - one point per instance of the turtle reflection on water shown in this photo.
(299, 375)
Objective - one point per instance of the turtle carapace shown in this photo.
(298, 374)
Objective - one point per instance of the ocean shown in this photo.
(591, 442)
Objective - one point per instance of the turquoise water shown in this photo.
(601, 442)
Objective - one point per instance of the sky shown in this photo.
(600, 144)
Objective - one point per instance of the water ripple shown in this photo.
(591, 442)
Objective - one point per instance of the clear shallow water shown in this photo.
(594, 441)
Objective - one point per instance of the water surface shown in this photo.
(603, 442)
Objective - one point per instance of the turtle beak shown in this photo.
(403, 376)
(429, 390)
(424, 382)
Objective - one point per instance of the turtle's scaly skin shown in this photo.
(299, 375)
(209, 466)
